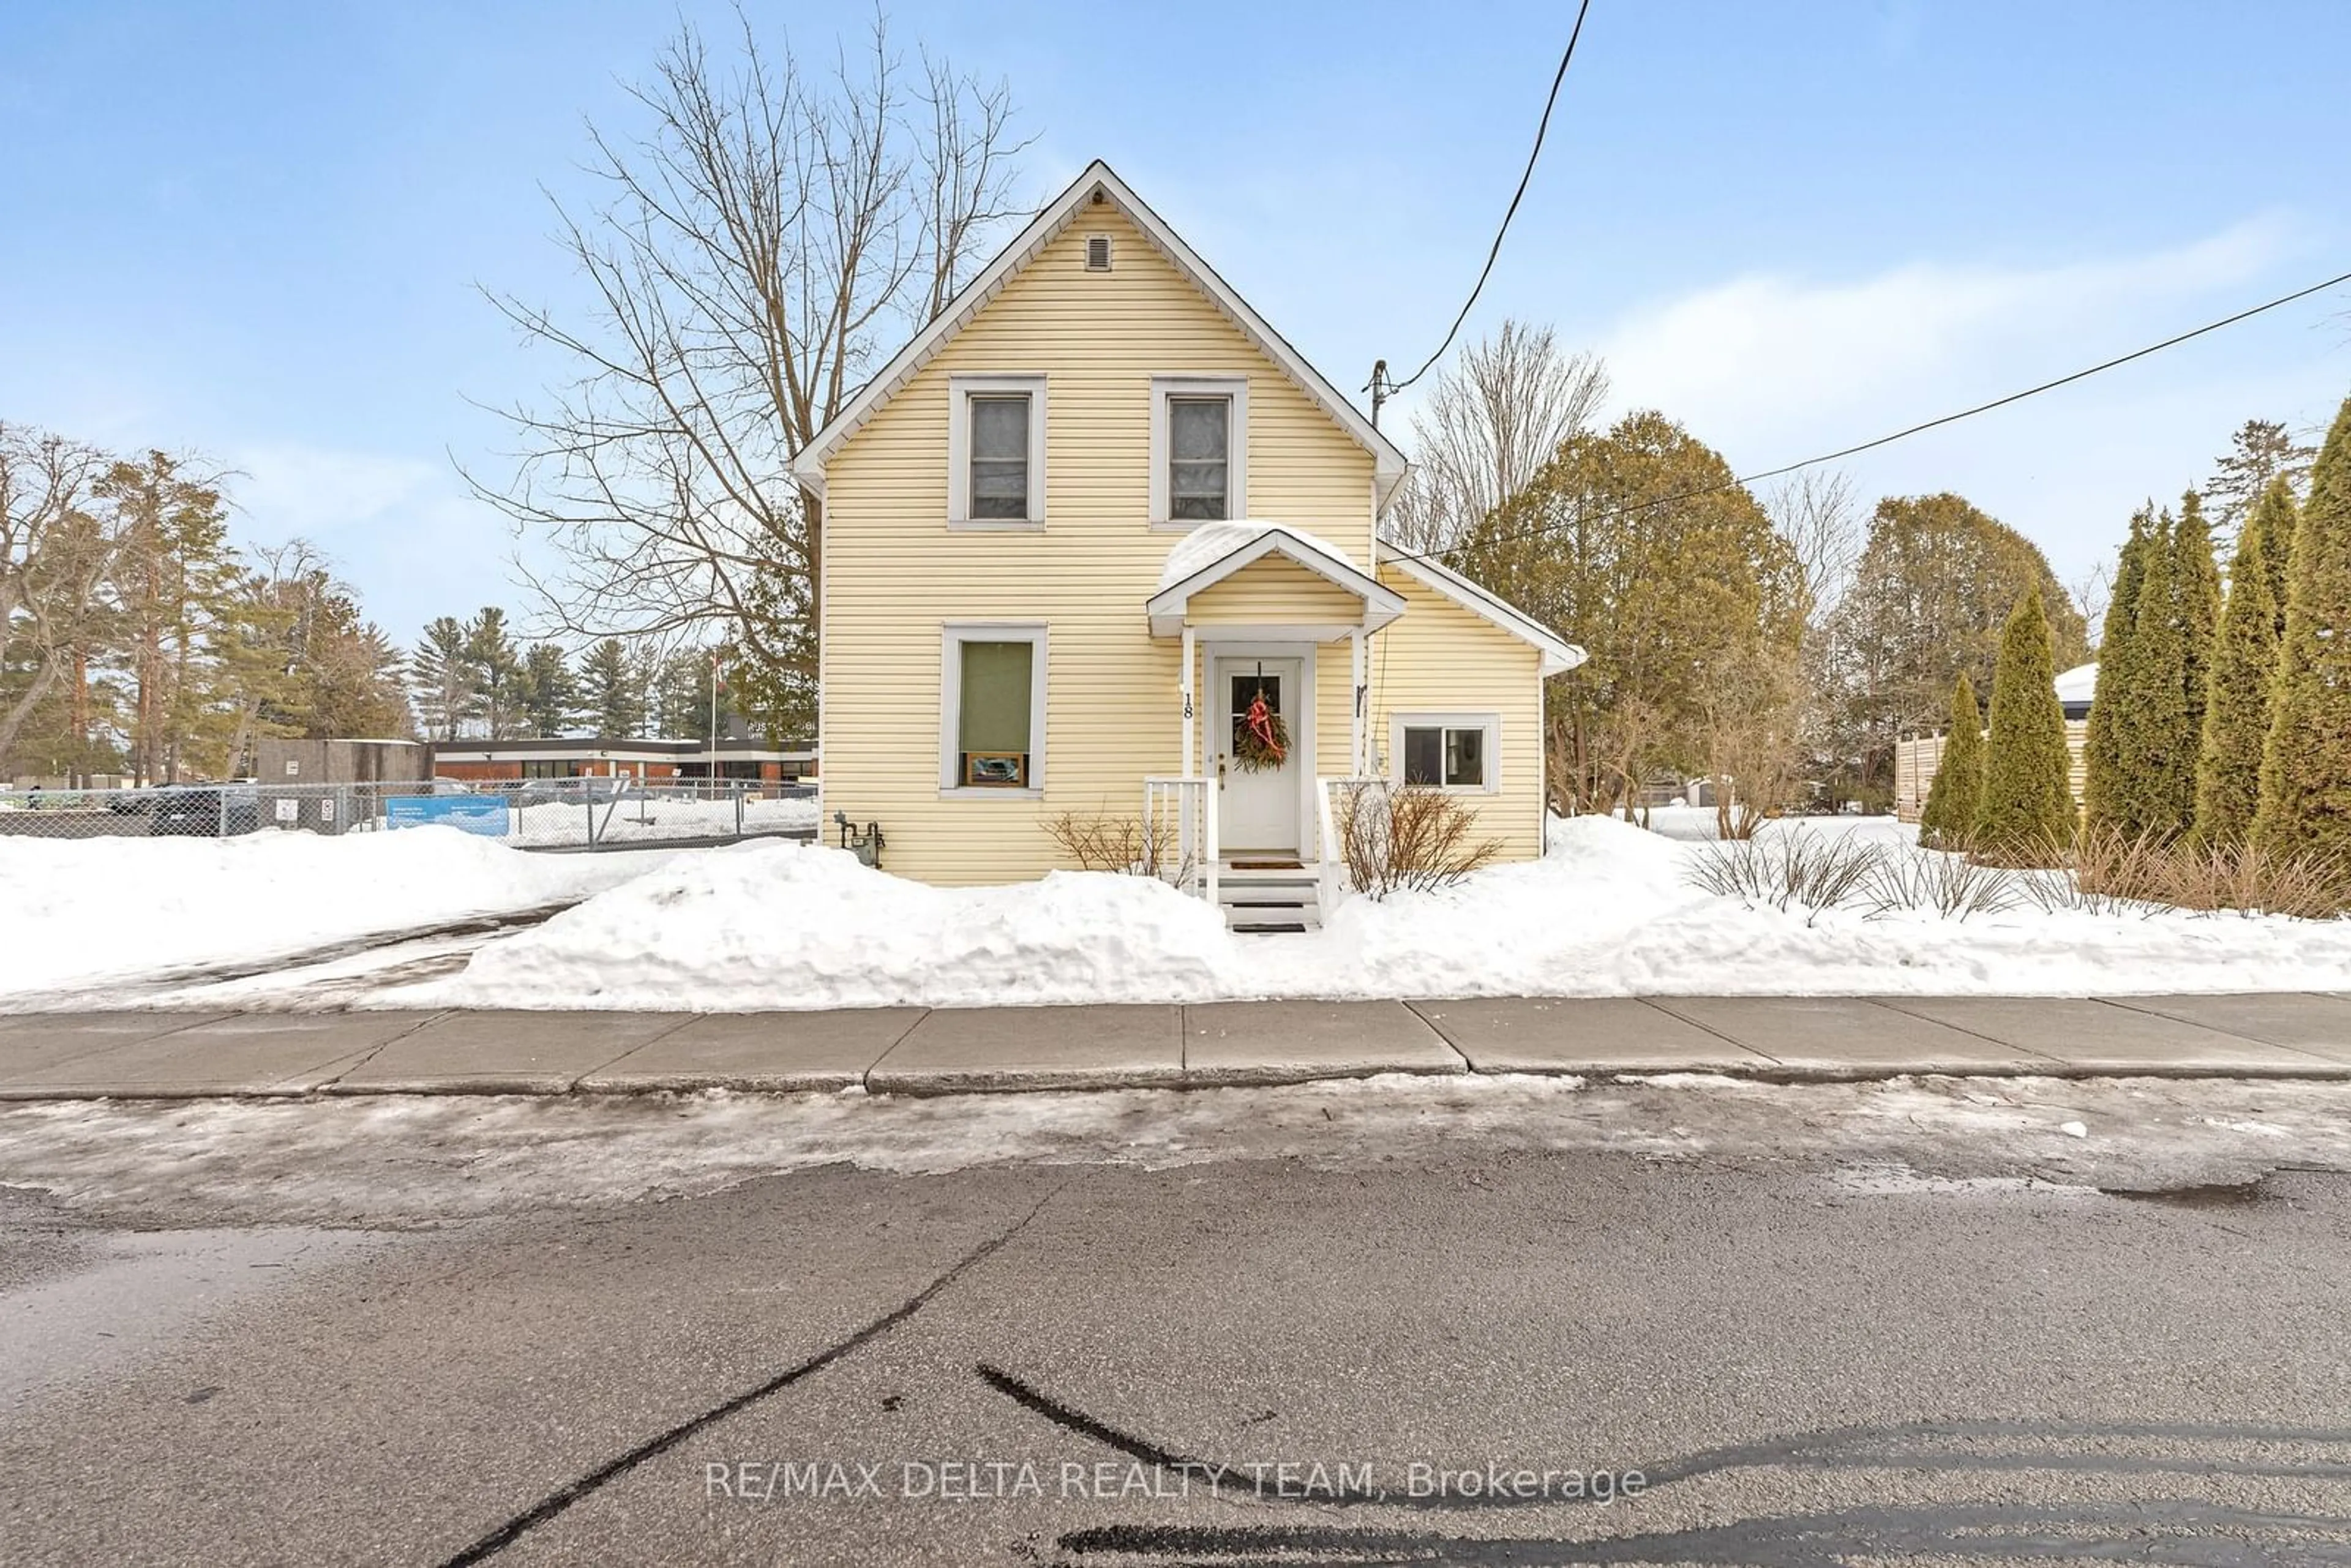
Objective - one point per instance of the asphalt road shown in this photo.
(1806, 1358)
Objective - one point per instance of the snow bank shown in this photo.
(1608, 912)
(90, 910)
(779, 924)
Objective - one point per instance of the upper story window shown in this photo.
(999, 455)
(996, 451)
(1199, 449)
(1199, 452)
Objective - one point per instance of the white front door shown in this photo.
(1257, 807)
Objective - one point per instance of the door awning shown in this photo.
(1215, 551)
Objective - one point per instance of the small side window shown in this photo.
(1447, 751)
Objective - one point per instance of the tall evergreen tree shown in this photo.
(2152, 739)
(2306, 764)
(1948, 820)
(550, 695)
(2105, 785)
(495, 671)
(2260, 455)
(2196, 583)
(442, 679)
(682, 696)
(2244, 667)
(2280, 519)
(2027, 810)
(613, 693)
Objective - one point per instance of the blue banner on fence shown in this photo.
(483, 814)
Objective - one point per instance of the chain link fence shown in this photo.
(532, 814)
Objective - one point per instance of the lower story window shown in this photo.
(993, 689)
(1447, 751)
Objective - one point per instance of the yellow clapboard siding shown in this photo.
(1440, 658)
(1274, 590)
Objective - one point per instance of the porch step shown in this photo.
(1267, 897)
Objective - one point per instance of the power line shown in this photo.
(1843, 452)
(1381, 388)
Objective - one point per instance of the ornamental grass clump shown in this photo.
(1787, 870)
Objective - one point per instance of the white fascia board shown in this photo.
(1559, 655)
(1389, 463)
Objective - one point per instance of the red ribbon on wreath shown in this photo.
(1259, 720)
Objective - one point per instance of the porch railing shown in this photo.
(1352, 808)
(1179, 834)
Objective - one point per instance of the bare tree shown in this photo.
(58, 548)
(1820, 518)
(755, 255)
(1491, 424)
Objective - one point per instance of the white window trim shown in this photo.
(960, 392)
(953, 634)
(1236, 449)
(1491, 722)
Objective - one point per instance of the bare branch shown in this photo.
(757, 245)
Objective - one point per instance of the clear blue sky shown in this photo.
(255, 230)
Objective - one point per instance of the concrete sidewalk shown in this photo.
(947, 1050)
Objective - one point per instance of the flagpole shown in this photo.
(714, 724)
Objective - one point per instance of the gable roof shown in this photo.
(1559, 655)
(1389, 463)
(1215, 551)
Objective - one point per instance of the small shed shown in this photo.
(284, 762)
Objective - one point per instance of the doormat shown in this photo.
(1269, 865)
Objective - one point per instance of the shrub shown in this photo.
(2305, 784)
(1948, 820)
(1126, 845)
(1786, 870)
(1410, 840)
(2028, 804)
(1950, 885)
(2244, 669)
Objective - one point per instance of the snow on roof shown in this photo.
(2078, 684)
(1212, 542)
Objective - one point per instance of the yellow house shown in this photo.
(1097, 534)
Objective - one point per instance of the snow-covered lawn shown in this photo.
(77, 911)
(1610, 911)
(1697, 823)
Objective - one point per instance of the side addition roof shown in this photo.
(1389, 463)
(1559, 655)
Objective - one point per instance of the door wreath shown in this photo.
(1263, 738)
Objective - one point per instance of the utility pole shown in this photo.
(1379, 389)
(714, 724)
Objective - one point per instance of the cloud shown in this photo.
(319, 494)
(403, 529)
(1764, 364)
